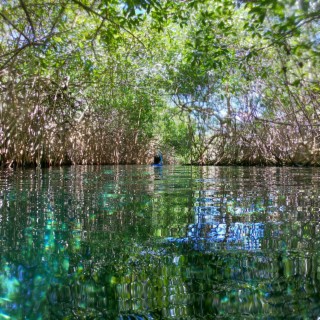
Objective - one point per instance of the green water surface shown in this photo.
(178, 242)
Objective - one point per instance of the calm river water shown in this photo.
(137, 242)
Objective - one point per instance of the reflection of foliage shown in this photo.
(121, 242)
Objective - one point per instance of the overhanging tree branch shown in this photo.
(105, 18)
(14, 26)
(24, 7)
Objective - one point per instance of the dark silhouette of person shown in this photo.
(157, 160)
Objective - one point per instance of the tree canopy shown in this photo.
(207, 82)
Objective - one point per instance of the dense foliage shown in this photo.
(110, 81)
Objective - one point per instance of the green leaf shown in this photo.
(296, 83)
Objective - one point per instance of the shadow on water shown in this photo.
(158, 173)
(139, 242)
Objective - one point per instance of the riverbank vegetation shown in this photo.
(207, 82)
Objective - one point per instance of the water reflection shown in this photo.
(137, 242)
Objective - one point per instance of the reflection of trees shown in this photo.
(103, 242)
(60, 228)
(238, 255)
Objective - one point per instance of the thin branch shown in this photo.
(285, 123)
(24, 7)
(57, 18)
(16, 52)
(14, 26)
(192, 107)
(282, 36)
(38, 43)
(88, 9)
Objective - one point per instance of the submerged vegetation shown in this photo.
(207, 82)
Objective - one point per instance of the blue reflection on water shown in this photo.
(245, 236)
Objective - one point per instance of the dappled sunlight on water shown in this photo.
(137, 242)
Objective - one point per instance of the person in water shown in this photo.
(157, 160)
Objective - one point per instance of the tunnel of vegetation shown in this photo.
(207, 82)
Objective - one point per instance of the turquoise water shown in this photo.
(137, 242)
